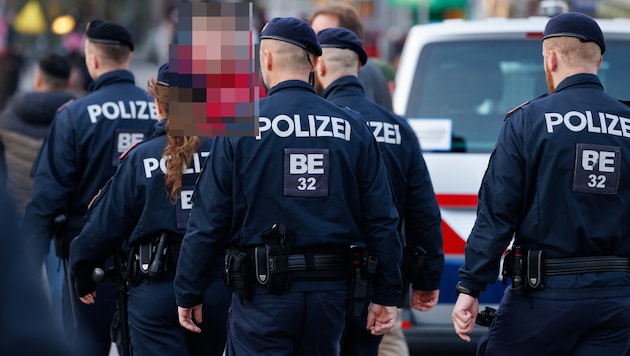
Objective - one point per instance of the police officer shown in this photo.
(149, 196)
(289, 203)
(557, 182)
(78, 156)
(336, 80)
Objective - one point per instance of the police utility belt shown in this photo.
(155, 258)
(275, 265)
(527, 269)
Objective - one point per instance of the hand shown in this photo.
(88, 298)
(464, 315)
(424, 300)
(380, 318)
(186, 317)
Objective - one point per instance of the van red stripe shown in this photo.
(457, 200)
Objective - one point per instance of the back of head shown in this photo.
(346, 14)
(55, 70)
(578, 38)
(110, 41)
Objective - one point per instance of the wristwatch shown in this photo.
(459, 288)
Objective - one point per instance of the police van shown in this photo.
(455, 82)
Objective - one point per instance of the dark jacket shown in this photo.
(82, 150)
(557, 182)
(314, 167)
(413, 191)
(23, 126)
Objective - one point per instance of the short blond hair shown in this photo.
(574, 52)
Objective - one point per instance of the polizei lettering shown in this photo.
(113, 110)
(576, 121)
(152, 164)
(305, 126)
(385, 132)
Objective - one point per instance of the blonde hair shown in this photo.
(179, 150)
(574, 52)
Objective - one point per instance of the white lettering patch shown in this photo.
(596, 169)
(306, 172)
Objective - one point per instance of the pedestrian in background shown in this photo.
(23, 126)
(557, 184)
(80, 153)
(370, 76)
(309, 186)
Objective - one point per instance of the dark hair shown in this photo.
(179, 149)
(347, 15)
(55, 69)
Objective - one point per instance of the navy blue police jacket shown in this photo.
(558, 180)
(413, 191)
(82, 150)
(134, 207)
(314, 167)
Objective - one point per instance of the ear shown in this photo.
(267, 60)
(320, 66)
(552, 61)
(38, 80)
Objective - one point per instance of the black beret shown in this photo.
(163, 77)
(108, 32)
(55, 65)
(294, 31)
(575, 24)
(338, 37)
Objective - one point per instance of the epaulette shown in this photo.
(124, 154)
(65, 104)
(523, 104)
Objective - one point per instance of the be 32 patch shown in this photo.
(306, 172)
(596, 169)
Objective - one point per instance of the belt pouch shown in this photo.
(535, 271)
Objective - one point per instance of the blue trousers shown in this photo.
(154, 326)
(357, 340)
(534, 326)
(293, 323)
(92, 336)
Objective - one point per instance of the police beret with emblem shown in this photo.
(338, 37)
(292, 30)
(575, 24)
(107, 32)
(164, 76)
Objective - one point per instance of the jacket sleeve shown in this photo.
(498, 211)
(208, 225)
(380, 225)
(53, 183)
(112, 216)
(423, 223)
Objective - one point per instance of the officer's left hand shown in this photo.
(424, 300)
(186, 317)
(381, 318)
(464, 315)
(88, 298)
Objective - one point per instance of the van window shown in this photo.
(475, 83)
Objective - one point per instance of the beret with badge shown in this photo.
(575, 24)
(292, 30)
(107, 32)
(338, 37)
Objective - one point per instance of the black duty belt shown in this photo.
(560, 266)
(324, 261)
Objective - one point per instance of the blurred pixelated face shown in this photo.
(324, 21)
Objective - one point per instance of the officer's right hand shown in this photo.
(186, 317)
(464, 315)
(380, 318)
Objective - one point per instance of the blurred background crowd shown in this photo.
(31, 28)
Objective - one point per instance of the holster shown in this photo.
(277, 248)
(363, 268)
(238, 272)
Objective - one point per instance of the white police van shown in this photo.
(455, 82)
